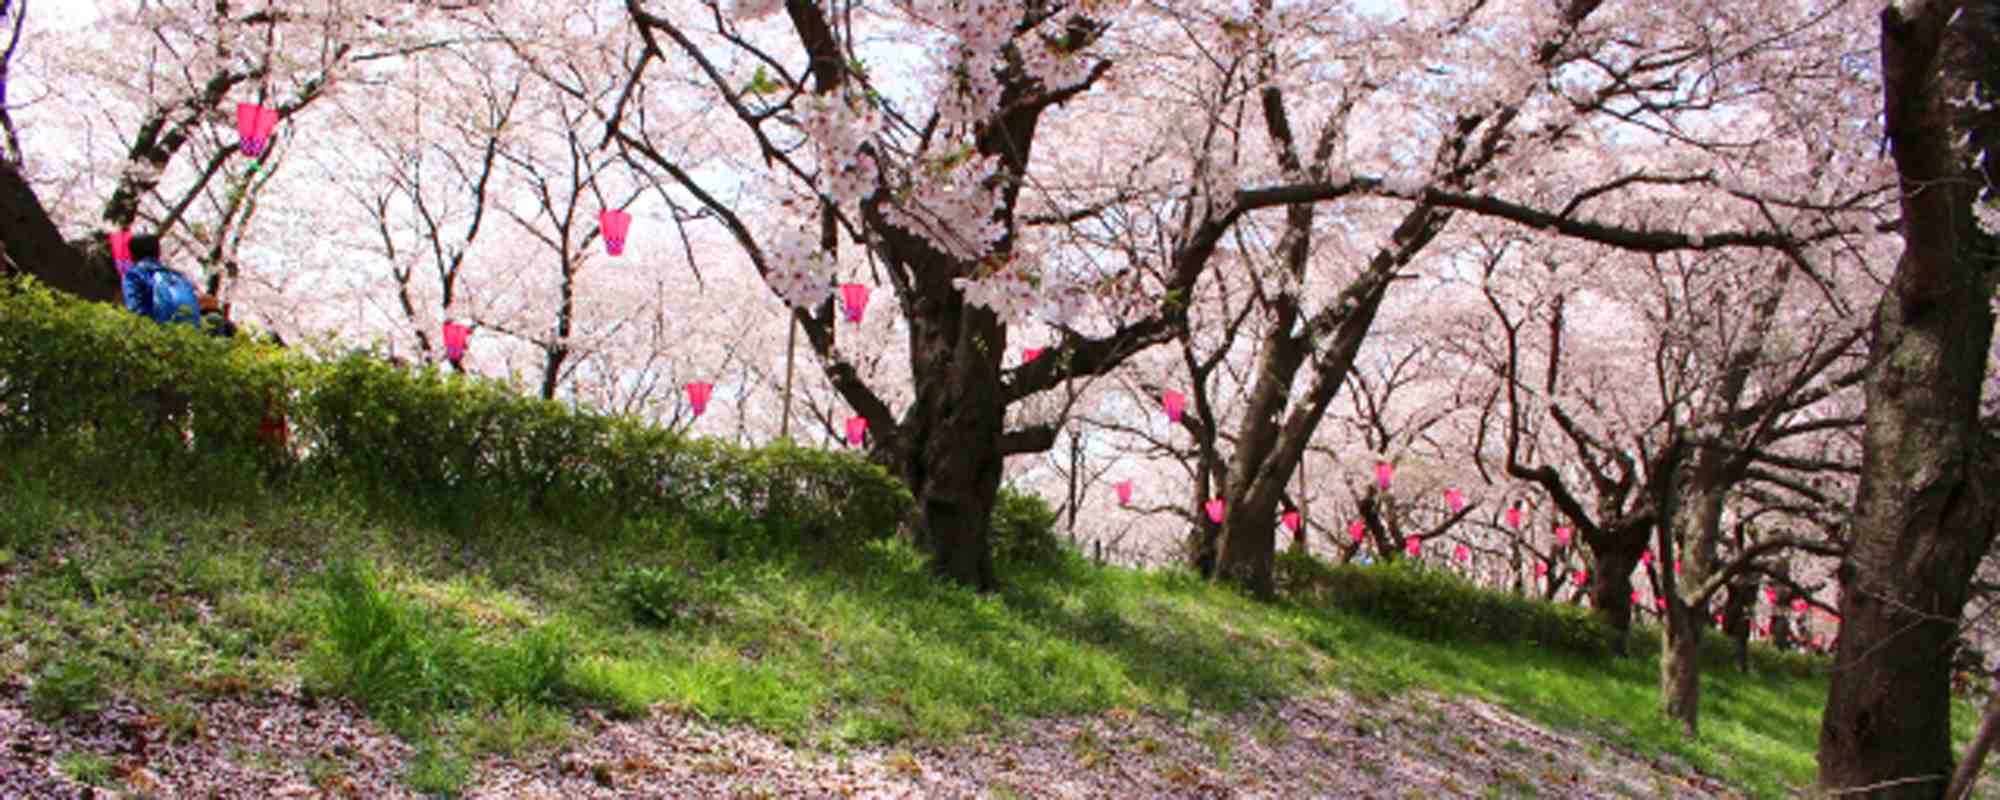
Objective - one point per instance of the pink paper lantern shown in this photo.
(456, 337)
(1514, 518)
(1635, 597)
(1124, 493)
(1413, 545)
(1292, 521)
(1541, 569)
(854, 299)
(616, 224)
(1215, 507)
(121, 250)
(1175, 403)
(254, 124)
(1800, 605)
(1646, 558)
(1455, 499)
(1357, 531)
(1383, 472)
(1770, 597)
(1582, 576)
(1718, 619)
(1029, 354)
(698, 394)
(1660, 603)
(857, 427)
(1562, 535)
(1677, 566)
(1461, 553)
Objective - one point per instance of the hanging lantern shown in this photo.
(1215, 508)
(615, 224)
(1461, 553)
(1770, 597)
(1541, 569)
(854, 300)
(1413, 545)
(1718, 620)
(1660, 603)
(1514, 518)
(1029, 354)
(455, 339)
(698, 394)
(1175, 403)
(121, 250)
(1646, 558)
(1124, 493)
(1562, 535)
(1635, 597)
(1800, 605)
(1582, 577)
(857, 427)
(1292, 521)
(254, 124)
(1383, 472)
(1677, 566)
(1357, 530)
(1455, 500)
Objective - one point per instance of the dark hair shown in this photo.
(144, 247)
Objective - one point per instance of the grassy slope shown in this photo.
(168, 600)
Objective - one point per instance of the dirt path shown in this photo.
(282, 745)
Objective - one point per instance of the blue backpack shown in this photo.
(173, 297)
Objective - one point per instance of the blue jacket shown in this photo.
(138, 287)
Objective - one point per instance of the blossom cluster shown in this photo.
(1008, 293)
(799, 272)
(840, 128)
(952, 206)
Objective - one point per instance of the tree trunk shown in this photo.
(1975, 753)
(953, 460)
(1925, 511)
(1736, 618)
(37, 248)
(1680, 667)
(1248, 533)
(1614, 554)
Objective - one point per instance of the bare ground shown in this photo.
(283, 744)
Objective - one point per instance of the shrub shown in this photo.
(1441, 606)
(66, 688)
(655, 595)
(1024, 529)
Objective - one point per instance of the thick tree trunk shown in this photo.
(1614, 554)
(36, 247)
(1248, 532)
(954, 456)
(1736, 619)
(1925, 512)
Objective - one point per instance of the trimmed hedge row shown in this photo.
(1438, 605)
(92, 374)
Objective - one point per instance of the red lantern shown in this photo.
(1646, 558)
(1514, 518)
(1292, 521)
(1677, 566)
(857, 427)
(1799, 605)
(1718, 620)
(456, 337)
(1635, 597)
(615, 224)
(1175, 403)
(698, 394)
(1454, 499)
(1215, 508)
(1562, 535)
(1770, 597)
(1582, 576)
(1660, 603)
(1124, 493)
(121, 250)
(854, 298)
(1357, 530)
(1413, 545)
(1029, 354)
(1461, 553)
(1383, 472)
(254, 124)
(1541, 569)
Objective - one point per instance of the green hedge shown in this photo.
(90, 374)
(1438, 605)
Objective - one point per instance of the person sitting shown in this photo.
(155, 291)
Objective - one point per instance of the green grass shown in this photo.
(474, 639)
